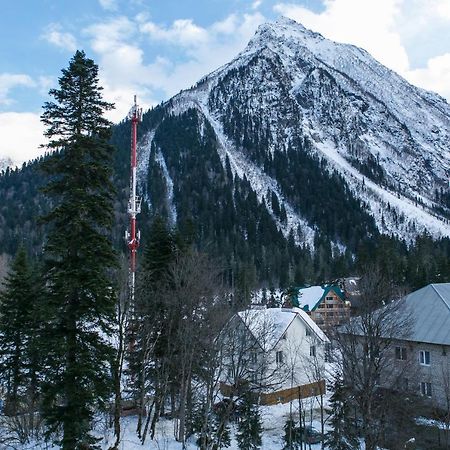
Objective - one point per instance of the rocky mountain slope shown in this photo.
(293, 97)
(299, 161)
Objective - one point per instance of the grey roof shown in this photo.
(430, 311)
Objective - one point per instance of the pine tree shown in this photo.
(19, 303)
(78, 255)
(151, 326)
(341, 435)
(250, 425)
(292, 436)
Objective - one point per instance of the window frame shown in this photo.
(423, 358)
(279, 357)
(425, 389)
(401, 353)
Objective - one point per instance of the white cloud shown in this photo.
(106, 36)
(256, 4)
(435, 76)
(125, 72)
(109, 5)
(226, 26)
(21, 133)
(368, 24)
(9, 81)
(182, 32)
(442, 8)
(54, 35)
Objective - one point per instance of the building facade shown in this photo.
(277, 353)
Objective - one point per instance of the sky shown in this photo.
(155, 48)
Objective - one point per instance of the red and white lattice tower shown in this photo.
(132, 236)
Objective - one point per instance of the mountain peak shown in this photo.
(287, 28)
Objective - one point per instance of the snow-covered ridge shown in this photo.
(354, 111)
(241, 166)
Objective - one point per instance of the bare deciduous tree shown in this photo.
(367, 345)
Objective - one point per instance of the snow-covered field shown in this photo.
(274, 418)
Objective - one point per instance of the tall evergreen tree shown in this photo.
(341, 436)
(19, 304)
(78, 255)
(250, 425)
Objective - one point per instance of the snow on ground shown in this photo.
(273, 417)
(432, 423)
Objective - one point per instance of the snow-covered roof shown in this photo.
(310, 296)
(311, 324)
(268, 325)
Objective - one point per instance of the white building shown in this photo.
(278, 353)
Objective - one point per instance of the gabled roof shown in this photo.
(430, 311)
(311, 324)
(309, 298)
(268, 325)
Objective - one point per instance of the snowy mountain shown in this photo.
(295, 114)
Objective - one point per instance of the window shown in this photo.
(425, 389)
(424, 357)
(254, 357)
(328, 298)
(279, 357)
(312, 350)
(308, 331)
(254, 376)
(400, 353)
(330, 306)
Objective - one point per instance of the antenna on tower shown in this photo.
(132, 236)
